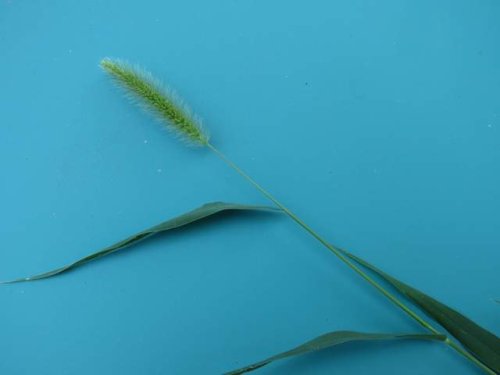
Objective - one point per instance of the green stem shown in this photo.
(348, 262)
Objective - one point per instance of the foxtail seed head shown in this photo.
(142, 86)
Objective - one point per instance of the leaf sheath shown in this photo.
(483, 344)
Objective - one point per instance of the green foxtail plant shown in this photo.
(164, 104)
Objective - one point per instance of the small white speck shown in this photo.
(489, 125)
(22, 291)
(54, 214)
(375, 171)
(159, 170)
(70, 51)
(145, 141)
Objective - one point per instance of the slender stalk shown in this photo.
(349, 263)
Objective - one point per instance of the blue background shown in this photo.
(378, 122)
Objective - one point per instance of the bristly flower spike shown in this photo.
(155, 98)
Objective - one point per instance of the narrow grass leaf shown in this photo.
(332, 339)
(484, 345)
(191, 217)
(154, 97)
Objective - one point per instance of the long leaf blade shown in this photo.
(484, 345)
(191, 217)
(332, 339)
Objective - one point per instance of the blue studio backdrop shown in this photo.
(378, 122)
